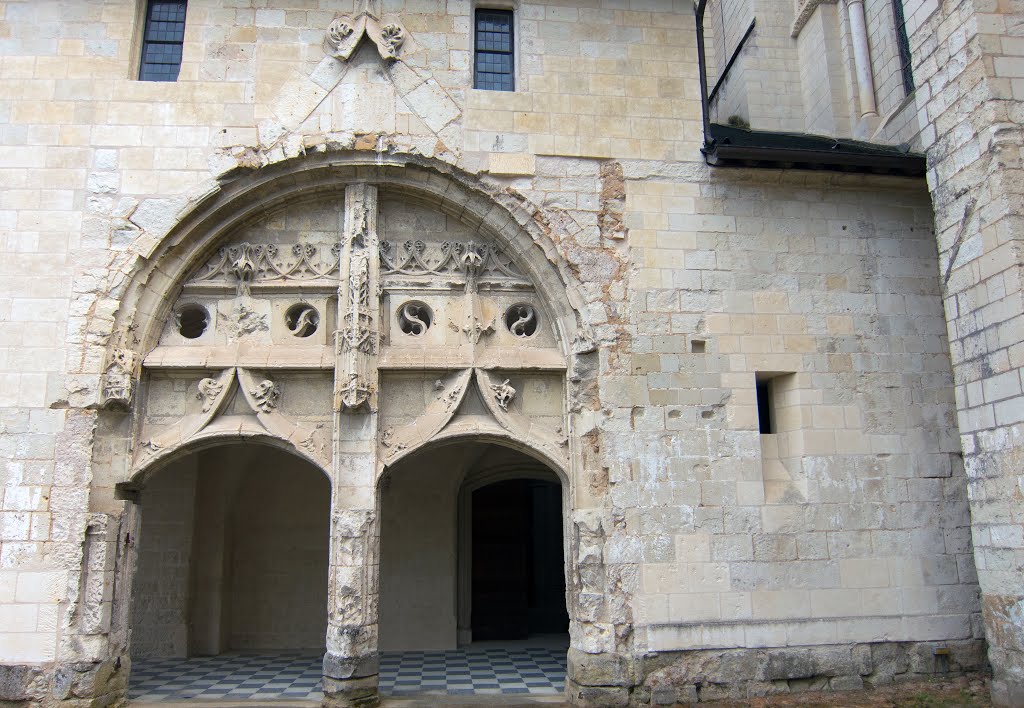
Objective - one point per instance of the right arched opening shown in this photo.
(472, 572)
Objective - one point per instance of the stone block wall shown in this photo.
(845, 533)
(733, 278)
(823, 77)
(968, 67)
(162, 579)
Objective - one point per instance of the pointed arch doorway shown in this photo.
(472, 573)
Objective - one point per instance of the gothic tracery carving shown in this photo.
(244, 264)
(453, 259)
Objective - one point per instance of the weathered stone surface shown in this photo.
(345, 668)
(705, 557)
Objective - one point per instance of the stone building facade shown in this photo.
(304, 300)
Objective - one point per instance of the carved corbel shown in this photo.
(584, 343)
(354, 393)
(119, 377)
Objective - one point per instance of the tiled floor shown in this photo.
(492, 668)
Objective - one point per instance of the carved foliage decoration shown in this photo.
(474, 326)
(346, 32)
(209, 392)
(503, 394)
(266, 393)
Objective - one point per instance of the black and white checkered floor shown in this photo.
(488, 669)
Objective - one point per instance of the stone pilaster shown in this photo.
(351, 661)
(965, 73)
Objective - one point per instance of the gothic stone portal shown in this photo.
(351, 328)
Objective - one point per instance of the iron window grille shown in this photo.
(903, 46)
(162, 40)
(493, 64)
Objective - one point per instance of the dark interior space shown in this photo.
(518, 576)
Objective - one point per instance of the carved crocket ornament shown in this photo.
(346, 32)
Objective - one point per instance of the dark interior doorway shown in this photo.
(518, 578)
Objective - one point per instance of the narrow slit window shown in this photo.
(765, 406)
(162, 40)
(903, 46)
(493, 67)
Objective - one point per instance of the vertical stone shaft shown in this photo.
(862, 58)
(351, 663)
(358, 302)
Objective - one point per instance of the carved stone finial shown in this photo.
(209, 390)
(345, 33)
(243, 268)
(503, 394)
(266, 394)
(472, 262)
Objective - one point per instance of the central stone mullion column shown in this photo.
(351, 662)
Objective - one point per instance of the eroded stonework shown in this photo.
(336, 255)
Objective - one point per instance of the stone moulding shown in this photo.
(438, 421)
(215, 393)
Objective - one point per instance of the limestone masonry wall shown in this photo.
(873, 534)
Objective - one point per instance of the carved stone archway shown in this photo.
(315, 338)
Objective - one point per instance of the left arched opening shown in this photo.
(231, 579)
